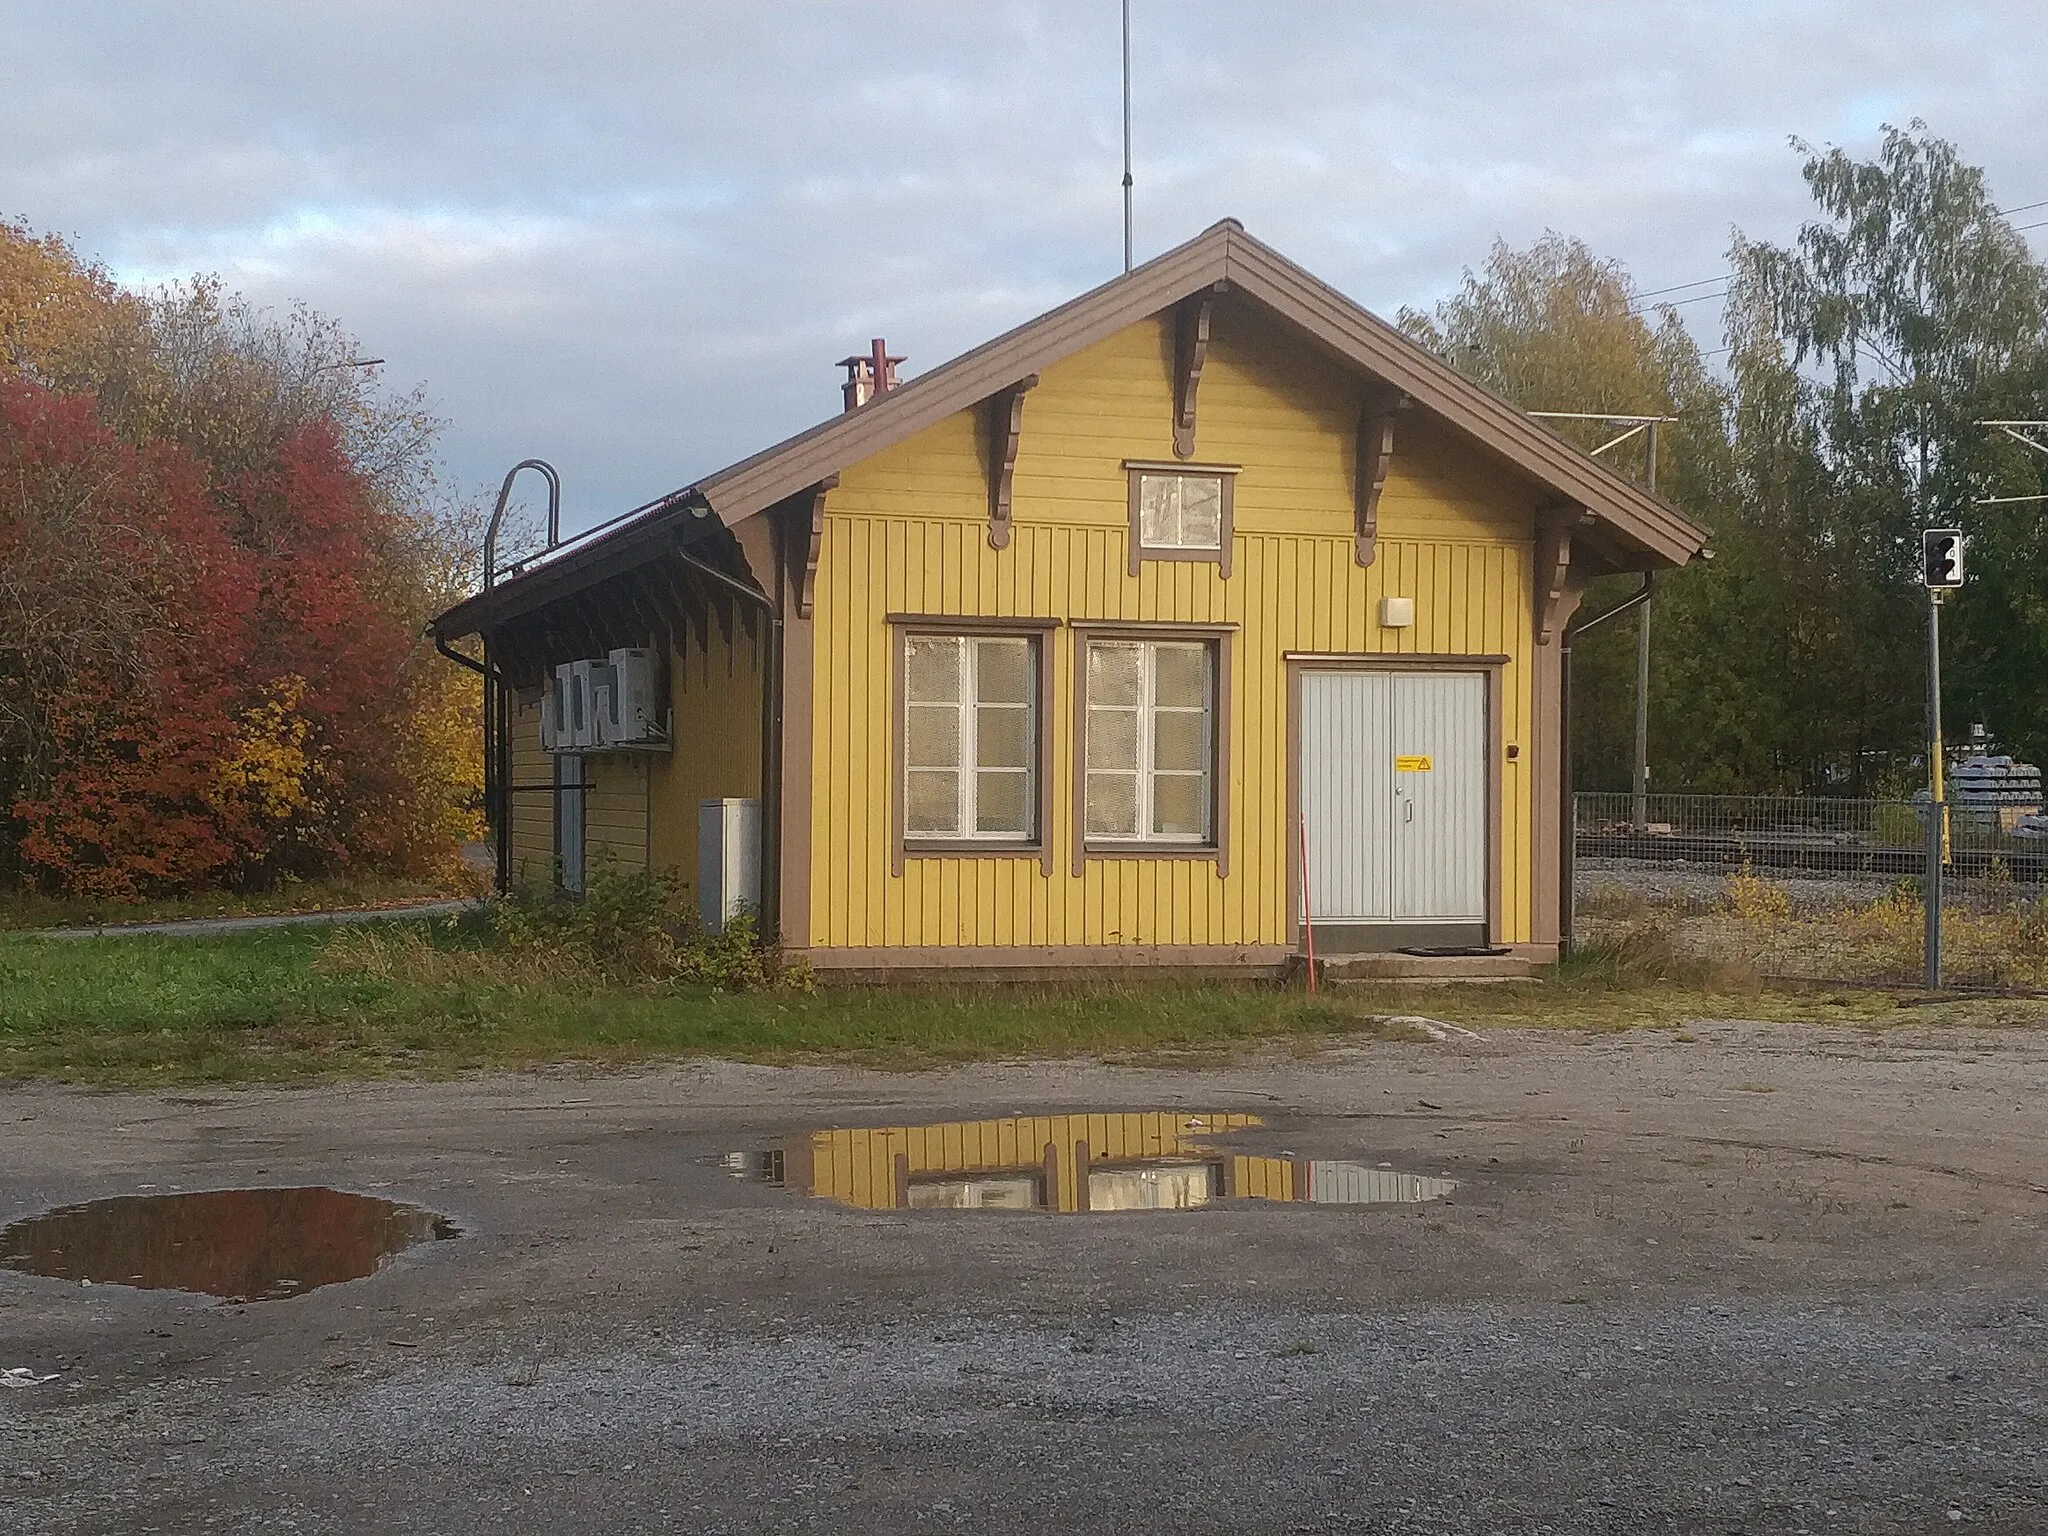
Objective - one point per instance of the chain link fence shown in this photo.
(1819, 889)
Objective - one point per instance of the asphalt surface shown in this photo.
(1768, 1279)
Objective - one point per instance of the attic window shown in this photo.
(1180, 512)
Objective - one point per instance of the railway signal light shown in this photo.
(1941, 559)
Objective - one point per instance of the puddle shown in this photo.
(1136, 1161)
(237, 1244)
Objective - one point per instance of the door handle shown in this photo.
(1409, 807)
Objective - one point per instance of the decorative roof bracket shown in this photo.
(1190, 354)
(1554, 527)
(1006, 427)
(1375, 458)
(811, 507)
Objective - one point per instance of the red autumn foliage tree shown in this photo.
(126, 611)
(211, 665)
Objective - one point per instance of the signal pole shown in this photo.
(1941, 571)
(1640, 807)
(1937, 766)
(1937, 812)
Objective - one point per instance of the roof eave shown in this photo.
(1369, 342)
(584, 566)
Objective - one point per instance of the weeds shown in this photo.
(630, 929)
(1646, 952)
(1992, 935)
(1758, 902)
(632, 926)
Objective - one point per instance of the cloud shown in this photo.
(632, 238)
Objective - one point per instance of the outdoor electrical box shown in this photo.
(728, 861)
(1941, 559)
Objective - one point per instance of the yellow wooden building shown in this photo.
(1202, 609)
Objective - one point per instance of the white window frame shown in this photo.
(1148, 709)
(1218, 554)
(1181, 479)
(967, 771)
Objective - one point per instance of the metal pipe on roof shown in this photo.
(554, 481)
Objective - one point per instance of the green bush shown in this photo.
(633, 925)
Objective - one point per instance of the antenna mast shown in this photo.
(1127, 135)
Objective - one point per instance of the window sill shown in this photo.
(955, 847)
(1151, 851)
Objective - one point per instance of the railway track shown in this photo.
(1816, 855)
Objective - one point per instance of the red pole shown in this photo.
(1308, 930)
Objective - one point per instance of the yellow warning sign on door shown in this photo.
(1414, 765)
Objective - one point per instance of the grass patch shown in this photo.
(28, 910)
(432, 999)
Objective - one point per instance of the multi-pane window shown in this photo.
(970, 726)
(1180, 511)
(1150, 741)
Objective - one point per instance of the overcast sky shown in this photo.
(634, 238)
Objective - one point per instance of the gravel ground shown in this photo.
(1629, 883)
(1605, 883)
(1748, 1279)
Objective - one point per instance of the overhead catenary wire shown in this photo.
(1724, 277)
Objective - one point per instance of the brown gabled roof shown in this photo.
(1222, 253)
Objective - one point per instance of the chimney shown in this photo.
(869, 375)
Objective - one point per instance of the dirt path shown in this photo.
(1775, 1278)
(201, 927)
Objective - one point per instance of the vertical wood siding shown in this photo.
(617, 824)
(715, 693)
(533, 813)
(906, 532)
(641, 807)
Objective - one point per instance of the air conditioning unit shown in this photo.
(630, 712)
(569, 707)
(728, 860)
(611, 703)
(551, 702)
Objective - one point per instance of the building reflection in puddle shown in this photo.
(1135, 1161)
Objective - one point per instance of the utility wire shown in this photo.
(1726, 276)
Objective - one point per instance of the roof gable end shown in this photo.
(1222, 255)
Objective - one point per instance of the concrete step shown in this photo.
(1398, 967)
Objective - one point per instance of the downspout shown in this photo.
(459, 659)
(1567, 810)
(771, 738)
(497, 757)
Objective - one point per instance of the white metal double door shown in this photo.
(1393, 792)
